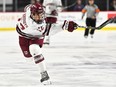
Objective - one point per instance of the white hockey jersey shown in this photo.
(27, 27)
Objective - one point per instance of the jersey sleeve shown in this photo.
(84, 9)
(97, 9)
(56, 28)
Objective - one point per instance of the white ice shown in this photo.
(72, 61)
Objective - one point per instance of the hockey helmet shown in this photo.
(37, 9)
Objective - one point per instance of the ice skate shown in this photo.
(91, 36)
(45, 79)
(85, 36)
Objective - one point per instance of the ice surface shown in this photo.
(72, 61)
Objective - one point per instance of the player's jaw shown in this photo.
(38, 18)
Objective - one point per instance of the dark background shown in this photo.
(18, 5)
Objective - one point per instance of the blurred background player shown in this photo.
(92, 13)
(52, 7)
(32, 28)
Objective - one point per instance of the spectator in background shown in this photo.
(92, 12)
(113, 6)
(78, 6)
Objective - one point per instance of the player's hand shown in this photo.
(69, 25)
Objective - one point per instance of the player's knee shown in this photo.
(35, 51)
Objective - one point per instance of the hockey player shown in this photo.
(52, 7)
(32, 29)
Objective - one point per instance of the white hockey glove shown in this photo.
(51, 9)
(69, 25)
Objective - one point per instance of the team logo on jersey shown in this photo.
(40, 28)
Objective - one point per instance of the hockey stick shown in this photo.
(63, 8)
(110, 20)
(60, 6)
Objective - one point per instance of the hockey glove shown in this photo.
(69, 25)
